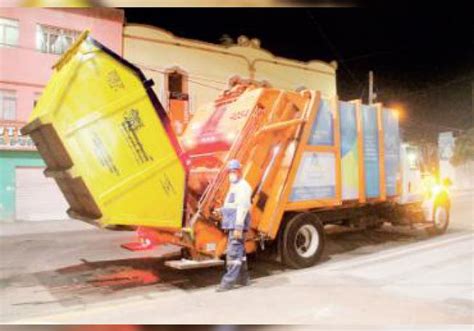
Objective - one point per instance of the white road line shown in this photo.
(394, 253)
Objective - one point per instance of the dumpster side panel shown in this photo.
(323, 126)
(349, 151)
(316, 177)
(392, 150)
(316, 174)
(107, 141)
(371, 151)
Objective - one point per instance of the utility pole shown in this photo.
(371, 87)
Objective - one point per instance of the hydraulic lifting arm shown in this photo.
(264, 149)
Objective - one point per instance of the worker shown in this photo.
(236, 221)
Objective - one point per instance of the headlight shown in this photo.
(436, 189)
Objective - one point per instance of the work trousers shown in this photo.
(236, 262)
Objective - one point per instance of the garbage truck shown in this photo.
(311, 162)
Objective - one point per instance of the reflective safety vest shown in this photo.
(235, 211)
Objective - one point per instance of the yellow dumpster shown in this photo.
(107, 141)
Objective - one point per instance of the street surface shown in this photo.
(390, 276)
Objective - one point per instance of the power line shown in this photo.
(364, 56)
(417, 123)
(163, 71)
(205, 85)
(333, 48)
(437, 87)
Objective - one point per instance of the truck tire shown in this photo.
(302, 241)
(440, 220)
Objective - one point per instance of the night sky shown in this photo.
(422, 59)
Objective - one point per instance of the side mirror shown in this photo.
(447, 182)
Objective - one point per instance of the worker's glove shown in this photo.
(217, 213)
(237, 234)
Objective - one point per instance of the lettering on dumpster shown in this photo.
(103, 155)
(167, 185)
(131, 124)
(114, 80)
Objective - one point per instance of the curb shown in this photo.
(19, 228)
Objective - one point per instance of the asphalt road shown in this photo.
(394, 276)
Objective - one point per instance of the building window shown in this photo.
(177, 85)
(9, 32)
(54, 40)
(175, 82)
(7, 105)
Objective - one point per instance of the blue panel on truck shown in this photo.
(392, 150)
(315, 178)
(322, 130)
(349, 151)
(371, 151)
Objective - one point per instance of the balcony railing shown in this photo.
(12, 139)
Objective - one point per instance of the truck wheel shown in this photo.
(440, 220)
(303, 241)
(376, 225)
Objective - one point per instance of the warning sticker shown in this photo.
(103, 155)
(131, 125)
(167, 185)
(114, 81)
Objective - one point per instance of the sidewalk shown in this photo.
(23, 227)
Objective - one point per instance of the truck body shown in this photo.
(311, 161)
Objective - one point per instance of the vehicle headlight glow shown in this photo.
(412, 157)
(436, 189)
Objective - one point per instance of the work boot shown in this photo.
(244, 279)
(224, 288)
(245, 282)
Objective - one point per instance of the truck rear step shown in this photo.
(185, 264)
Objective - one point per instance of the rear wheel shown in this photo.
(440, 220)
(303, 241)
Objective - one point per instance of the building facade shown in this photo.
(31, 41)
(189, 73)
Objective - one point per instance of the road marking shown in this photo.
(393, 253)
